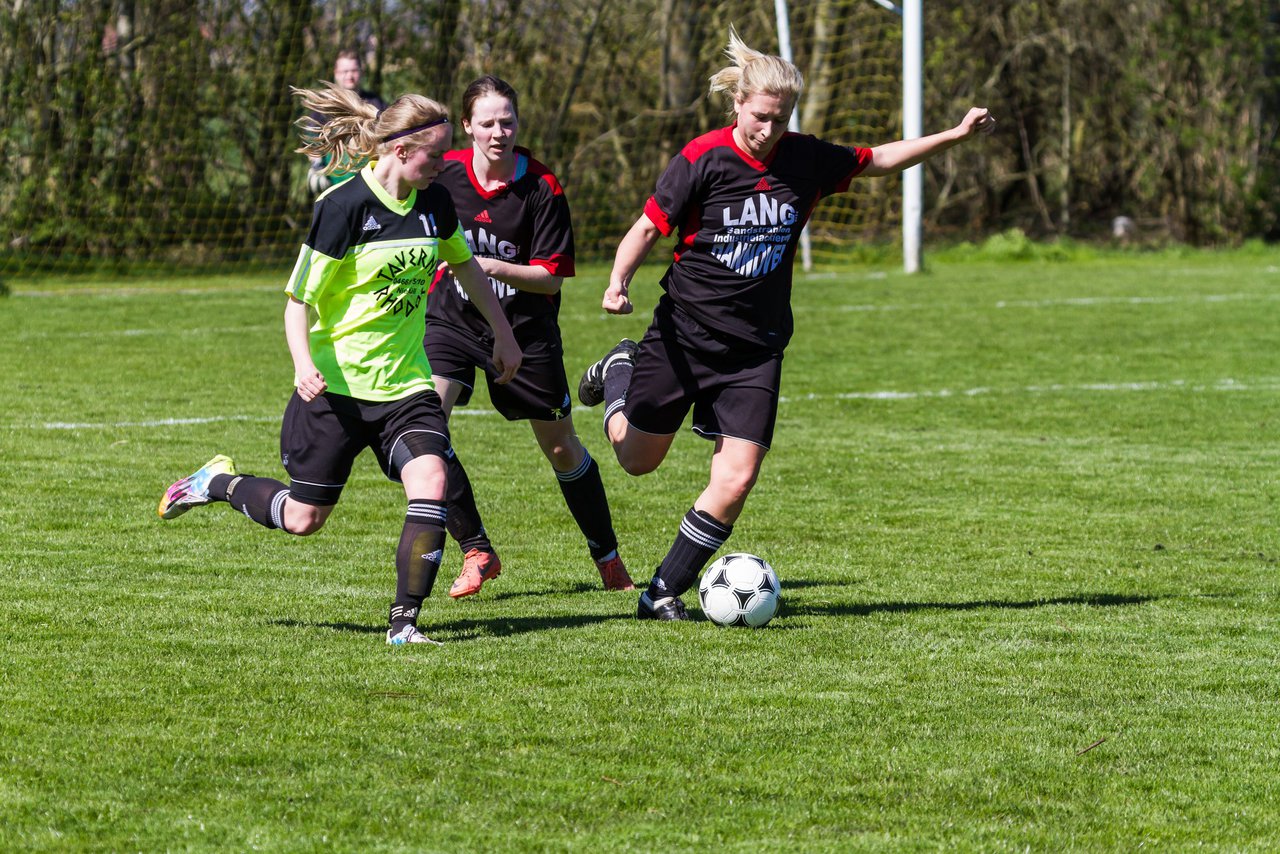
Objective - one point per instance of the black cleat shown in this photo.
(669, 608)
(591, 386)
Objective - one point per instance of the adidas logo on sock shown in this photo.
(763, 185)
(483, 216)
(371, 224)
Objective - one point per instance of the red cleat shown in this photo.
(477, 568)
(614, 574)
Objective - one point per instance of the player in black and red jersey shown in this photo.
(516, 220)
(737, 198)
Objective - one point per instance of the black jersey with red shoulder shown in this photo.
(525, 221)
(738, 221)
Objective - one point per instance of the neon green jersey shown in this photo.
(366, 269)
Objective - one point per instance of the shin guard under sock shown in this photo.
(584, 494)
(417, 560)
(259, 498)
(464, 522)
(699, 538)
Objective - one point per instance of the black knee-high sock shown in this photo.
(617, 379)
(464, 522)
(259, 498)
(417, 560)
(584, 494)
(699, 538)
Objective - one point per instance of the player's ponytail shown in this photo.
(753, 72)
(355, 131)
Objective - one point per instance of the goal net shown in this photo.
(158, 135)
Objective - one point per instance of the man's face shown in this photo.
(346, 73)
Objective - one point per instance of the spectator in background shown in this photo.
(346, 75)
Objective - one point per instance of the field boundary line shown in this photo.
(1223, 385)
(181, 422)
(1051, 303)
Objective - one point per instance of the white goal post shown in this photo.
(912, 14)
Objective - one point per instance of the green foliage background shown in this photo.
(158, 132)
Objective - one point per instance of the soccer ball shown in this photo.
(739, 590)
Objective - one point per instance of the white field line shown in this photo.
(1263, 384)
(186, 332)
(1260, 384)
(112, 293)
(1052, 303)
(182, 422)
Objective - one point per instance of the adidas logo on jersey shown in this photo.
(483, 216)
(763, 186)
(371, 224)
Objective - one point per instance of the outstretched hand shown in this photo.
(977, 120)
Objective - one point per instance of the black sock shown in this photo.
(617, 379)
(699, 538)
(584, 494)
(464, 522)
(259, 498)
(417, 560)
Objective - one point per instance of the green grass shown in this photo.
(1024, 513)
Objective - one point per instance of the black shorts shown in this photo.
(733, 390)
(320, 440)
(539, 391)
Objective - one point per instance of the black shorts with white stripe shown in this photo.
(320, 440)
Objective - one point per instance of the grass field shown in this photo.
(1025, 520)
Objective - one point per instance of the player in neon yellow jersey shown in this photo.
(354, 323)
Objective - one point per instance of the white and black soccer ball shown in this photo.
(740, 590)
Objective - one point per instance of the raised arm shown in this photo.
(632, 251)
(895, 156)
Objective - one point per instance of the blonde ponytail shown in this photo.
(753, 72)
(355, 131)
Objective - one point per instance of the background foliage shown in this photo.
(160, 131)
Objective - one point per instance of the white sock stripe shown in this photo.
(700, 537)
(693, 517)
(582, 469)
(612, 409)
(426, 512)
(277, 508)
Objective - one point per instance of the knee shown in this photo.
(637, 464)
(564, 456)
(304, 519)
(735, 486)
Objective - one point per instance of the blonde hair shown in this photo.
(753, 72)
(355, 131)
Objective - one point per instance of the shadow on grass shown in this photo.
(803, 583)
(1096, 600)
(576, 587)
(458, 630)
(474, 629)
